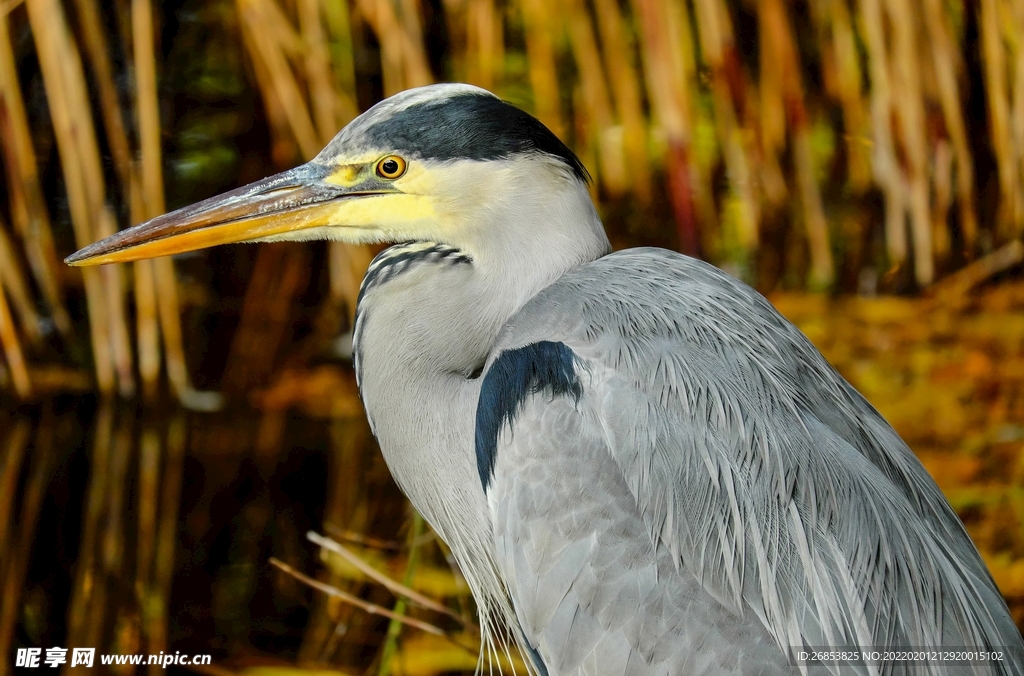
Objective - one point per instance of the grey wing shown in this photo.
(594, 594)
(723, 443)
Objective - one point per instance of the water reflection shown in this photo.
(133, 530)
(137, 533)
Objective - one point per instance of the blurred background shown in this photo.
(184, 462)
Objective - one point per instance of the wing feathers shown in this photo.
(751, 466)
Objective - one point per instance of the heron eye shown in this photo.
(391, 167)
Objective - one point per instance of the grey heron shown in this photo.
(640, 466)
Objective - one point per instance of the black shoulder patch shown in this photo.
(514, 375)
(470, 126)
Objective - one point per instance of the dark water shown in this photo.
(139, 532)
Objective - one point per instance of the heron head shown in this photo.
(427, 164)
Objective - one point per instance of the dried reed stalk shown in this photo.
(848, 77)
(338, 28)
(348, 465)
(942, 196)
(380, 16)
(348, 264)
(331, 107)
(717, 46)
(278, 275)
(908, 103)
(13, 279)
(390, 647)
(284, 150)
(625, 86)
(166, 533)
(147, 328)
(364, 540)
(84, 586)
(456, 15)
(991, 25)
(779, 77)
(403, 56)
(595, 107)
(485, 47)
(170, 326)
(63, 80)
(954, 289)
(148, 203)
(1015, 30)
(118, 508)
(317, 67)
(115, 296)
(945, 61)
(147, 504)
(16, 558)
(346, 504)
(270, 34)
(157, 277)
(97, 52)
(665, 28)
(8, 6)
(87, 593)
(28, 208)
(883, 157)
(417, 67)
(783, 66)
(14, 443)
(12, 351)
(540, 53)
(92, 177)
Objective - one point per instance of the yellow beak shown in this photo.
(279, 206)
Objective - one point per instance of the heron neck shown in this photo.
(415, 362)
(421, 340)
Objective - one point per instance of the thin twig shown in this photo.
(363, 540)
(393, 585)
(371, 608)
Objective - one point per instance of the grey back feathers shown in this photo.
(758, 474)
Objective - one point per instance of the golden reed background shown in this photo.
(869, 146)
(803, 140)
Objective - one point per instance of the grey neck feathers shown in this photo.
(427, 318)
